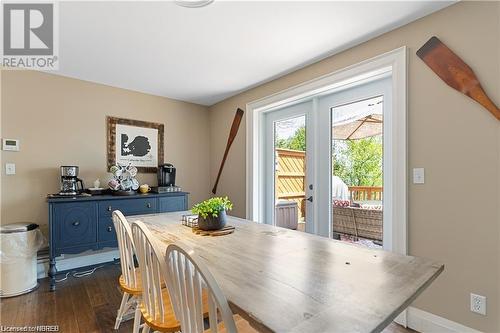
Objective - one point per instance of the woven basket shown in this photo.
(360, 222)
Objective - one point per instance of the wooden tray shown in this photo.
(228, 229)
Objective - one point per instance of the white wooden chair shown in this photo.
(129, 281)
(155, 305)
(187, 277)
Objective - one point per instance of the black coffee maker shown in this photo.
(70, 181)
(166, 175)
(166, 179)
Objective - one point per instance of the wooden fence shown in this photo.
(290, 180)
(290, 177)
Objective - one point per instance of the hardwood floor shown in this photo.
(87, 304)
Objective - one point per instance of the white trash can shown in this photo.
(19, 244)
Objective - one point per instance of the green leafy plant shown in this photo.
(359, 162)
(212, 207)
(296, 142)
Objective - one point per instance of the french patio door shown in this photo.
(288, 150)
(366, 103)
(316, 115)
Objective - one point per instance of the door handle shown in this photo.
(109, 208)
(110, 229)
(76, 223)
(148, 205)
(310, 199)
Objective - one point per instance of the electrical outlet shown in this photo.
(478, 304)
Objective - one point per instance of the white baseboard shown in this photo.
(425, 322)
(68, 262)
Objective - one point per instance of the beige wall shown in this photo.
(454, 217)
(62, 121)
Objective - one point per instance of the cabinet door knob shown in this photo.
(148, 205)
(109, 208)
(76, 223)
(110, 229)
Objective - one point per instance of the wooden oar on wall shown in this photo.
(455, 73)
(230, 139)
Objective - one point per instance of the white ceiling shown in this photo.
(204, 55)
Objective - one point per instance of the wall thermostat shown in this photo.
(10, 144)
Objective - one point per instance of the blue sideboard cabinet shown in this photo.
(78, 224)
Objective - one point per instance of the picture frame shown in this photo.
(137, 142)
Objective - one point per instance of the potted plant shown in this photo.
(212, 213)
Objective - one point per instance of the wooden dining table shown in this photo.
(283, 280)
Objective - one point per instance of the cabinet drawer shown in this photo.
(106, 230)
(128, 206)
(173, 204)
(75, 224)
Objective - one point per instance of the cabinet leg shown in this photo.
(52, 274)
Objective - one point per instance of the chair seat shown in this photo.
(129, 289)
(169, 322)
(242, 326)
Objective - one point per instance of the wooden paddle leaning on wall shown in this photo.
(230, 139)
(455, 73)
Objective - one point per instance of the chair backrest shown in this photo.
(187, 279)
(126, 248)
(152, 266)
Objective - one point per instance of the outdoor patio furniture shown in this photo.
(359, 222)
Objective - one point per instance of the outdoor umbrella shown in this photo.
(358, 120)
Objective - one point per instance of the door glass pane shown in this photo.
(357, 172)
(290, 172)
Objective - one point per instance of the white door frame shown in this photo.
(396, 62)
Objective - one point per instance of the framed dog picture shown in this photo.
(135, 142)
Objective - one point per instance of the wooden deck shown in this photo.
(88, 304)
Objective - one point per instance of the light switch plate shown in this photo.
(10, 169)
(418, 176)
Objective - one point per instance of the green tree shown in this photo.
(296, 142)
(359, 162)
(281, 143)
